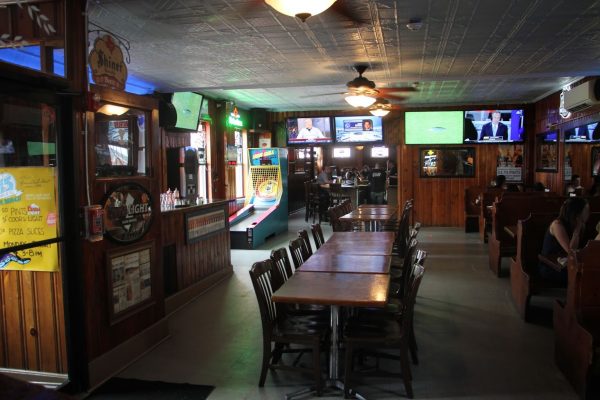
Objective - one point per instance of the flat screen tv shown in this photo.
(187, 105)
(586, 133)
(308, 130)
(493, 126)
(359, 129)
(433, 127)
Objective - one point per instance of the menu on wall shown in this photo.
(131, 278)
(28, 214)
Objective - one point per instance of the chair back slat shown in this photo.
(307, 248)
(261, 277)
(283, 266)
(297, 252)
(317, 233)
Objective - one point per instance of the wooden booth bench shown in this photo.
(577, 323)
(506, 213)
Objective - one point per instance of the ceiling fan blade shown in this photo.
(391, 91)
(392, 96)
(320, 94)
(345, 10)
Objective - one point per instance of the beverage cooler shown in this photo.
(182, 171)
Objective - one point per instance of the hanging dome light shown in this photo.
(380, 108)
(301, 9)
(360, 100)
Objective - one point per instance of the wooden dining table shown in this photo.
(370, 219)
(334, 289)
(346, 270)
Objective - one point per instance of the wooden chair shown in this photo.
(472, 194)
(311, 202)
(383, 334)
(282, 263)
(297, 251)
(281, 332)
(577, 323)
(317, 233)
(303, 233)
(337, 194)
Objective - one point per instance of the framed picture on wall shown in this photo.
(595, 160)
(447, 162)
(129, 280)
(546, 152)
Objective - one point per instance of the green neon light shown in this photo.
(235, 121)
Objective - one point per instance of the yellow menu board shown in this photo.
(28, 214)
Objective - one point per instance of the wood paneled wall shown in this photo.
(548, 119)
(438, 201)
(198, 260)
(32, 327)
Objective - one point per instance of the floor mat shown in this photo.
(133, 389)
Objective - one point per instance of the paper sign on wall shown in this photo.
(28, 214)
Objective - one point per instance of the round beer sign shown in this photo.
(127, 213)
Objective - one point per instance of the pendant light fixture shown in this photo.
(300, 8)
(380, 108)
(360, 100)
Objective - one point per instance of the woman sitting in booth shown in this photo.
(562, 238)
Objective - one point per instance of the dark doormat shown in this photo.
(134, 389)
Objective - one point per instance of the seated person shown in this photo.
(574, 185)
(499, 182)
(378, 181)
(539, 187)
(324, 178)
(562, 237)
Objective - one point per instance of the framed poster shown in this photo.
(201, 224)
(510, 162)
(129, 279)
(546, 152)
(447, 162)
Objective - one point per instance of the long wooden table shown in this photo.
(353, 281)
(372, 217)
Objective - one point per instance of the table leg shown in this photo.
(334, 355)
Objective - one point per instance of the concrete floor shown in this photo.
(472, 344)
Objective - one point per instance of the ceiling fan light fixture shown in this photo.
(379, 112)
(301, 9)
(360, 100)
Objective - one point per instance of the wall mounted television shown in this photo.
(586, 133)
(433, 127)
(359, 129)
(493, 126)
(308, 130)
(187, 105)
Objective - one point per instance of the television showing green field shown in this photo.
(433, 127)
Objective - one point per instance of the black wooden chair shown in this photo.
(380, 334)
(303, 233)
(298, 252)
(281, 333)
(311, 202)
(317, 233)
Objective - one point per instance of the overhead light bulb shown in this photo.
(301, 9)
(110, 109)
(360, 100)
(379, 112)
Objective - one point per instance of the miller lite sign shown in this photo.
(106, 62)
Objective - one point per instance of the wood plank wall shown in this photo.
(438, 201)
(32, 328)
(547, 119)
(195, 261)
(101, 334)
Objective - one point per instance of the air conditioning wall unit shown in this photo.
(583, 96)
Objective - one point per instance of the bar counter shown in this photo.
(196, 250)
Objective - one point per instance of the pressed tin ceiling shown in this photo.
(468, 51)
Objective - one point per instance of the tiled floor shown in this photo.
(472, 344)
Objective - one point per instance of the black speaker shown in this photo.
(258, 119)
(167, 115)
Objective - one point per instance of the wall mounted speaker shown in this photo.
(167, 115)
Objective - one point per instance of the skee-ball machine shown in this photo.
(265, 213)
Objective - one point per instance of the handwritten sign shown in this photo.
(28, 214)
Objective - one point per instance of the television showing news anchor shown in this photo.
(491, 126)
